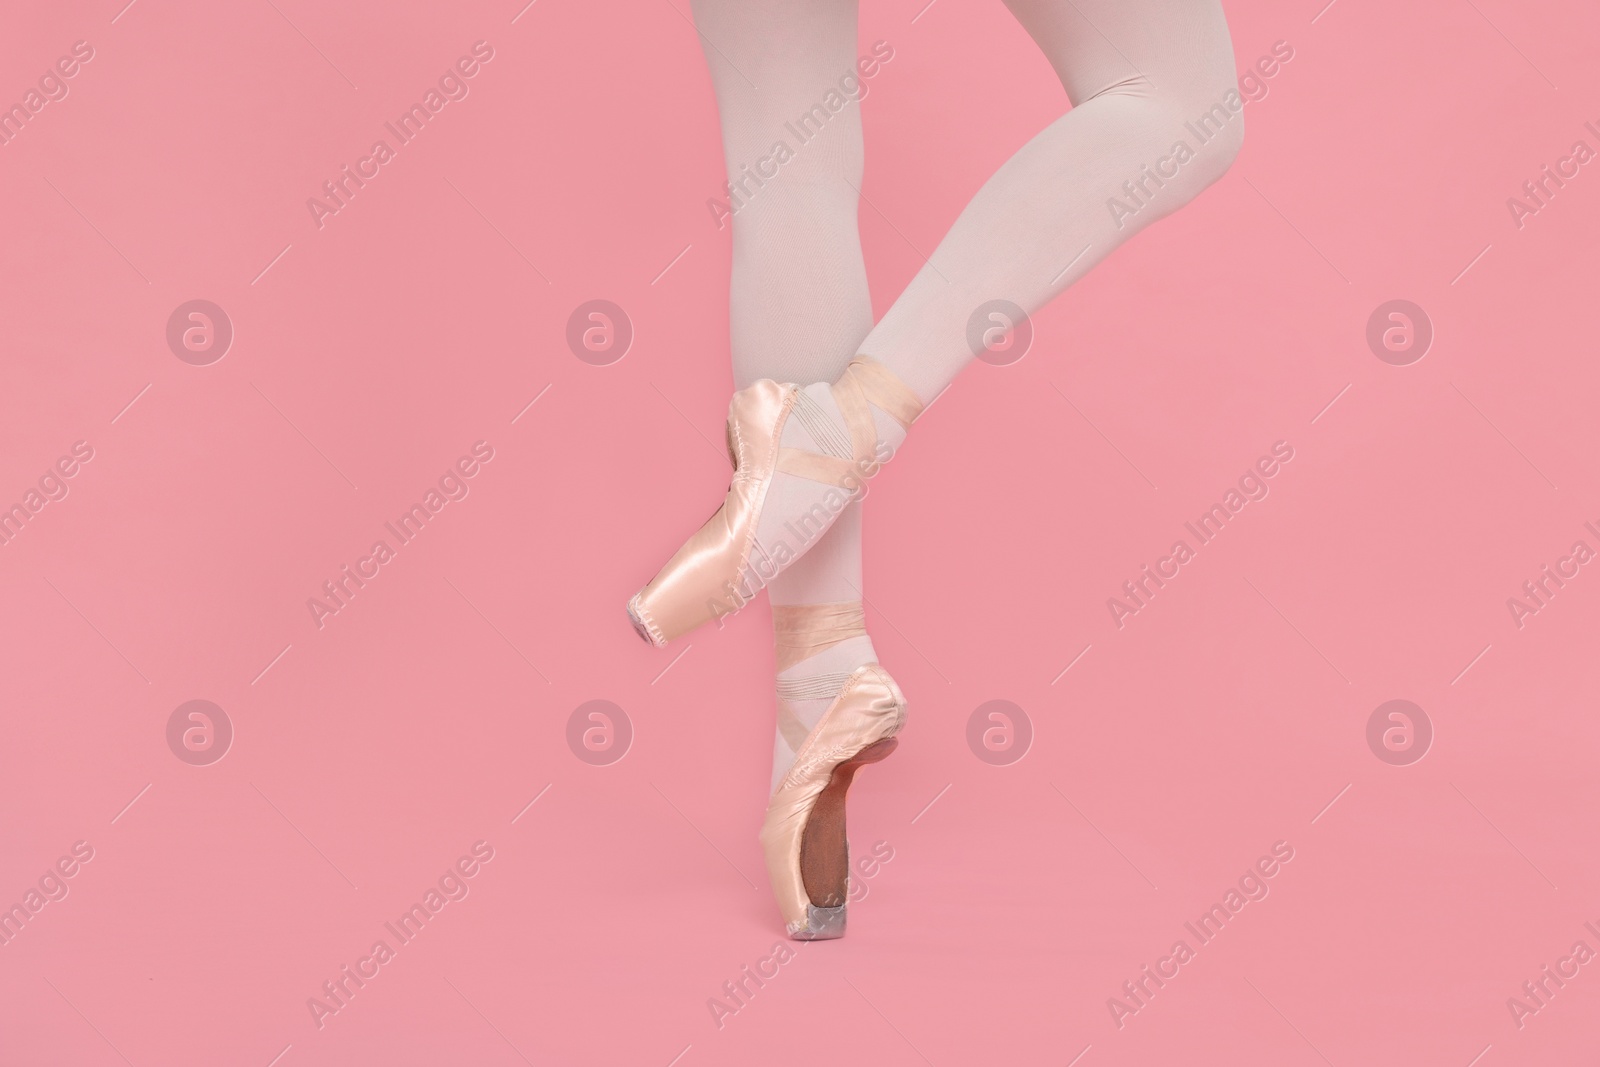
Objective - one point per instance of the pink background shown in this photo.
(370, 754)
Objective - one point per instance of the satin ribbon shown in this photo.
(800, 631)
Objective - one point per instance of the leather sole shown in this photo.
(824, 851)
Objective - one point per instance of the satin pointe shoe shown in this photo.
(722, 566)
(803, 836)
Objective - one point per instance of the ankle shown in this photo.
(802, 633)
(819, 647)
(876, 410)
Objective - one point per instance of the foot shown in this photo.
(823, 468)
(829, 725)
(803, 834)
(800, 457)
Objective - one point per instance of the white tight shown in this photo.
(1142, 75)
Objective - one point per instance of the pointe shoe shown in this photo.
(803, 836)
(713, 574)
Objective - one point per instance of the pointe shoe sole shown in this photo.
(825, 851)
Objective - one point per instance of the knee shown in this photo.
(1212, 122)
(1196, 124)
(1227, 144)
